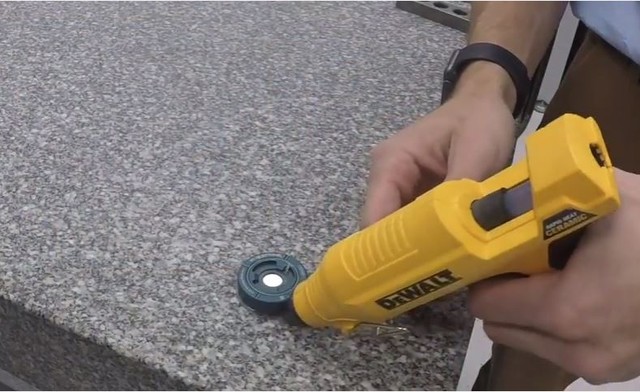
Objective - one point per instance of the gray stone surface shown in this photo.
(147, 148)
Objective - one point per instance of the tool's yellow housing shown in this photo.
(434, 246)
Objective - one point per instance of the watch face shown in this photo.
(450, 76)
(450, 70)
(447, 88)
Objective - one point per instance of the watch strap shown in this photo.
(496, 54)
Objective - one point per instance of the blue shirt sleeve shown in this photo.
(617, 22)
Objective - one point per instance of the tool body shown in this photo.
(525, 219)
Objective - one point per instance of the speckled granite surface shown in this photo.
(147, 148)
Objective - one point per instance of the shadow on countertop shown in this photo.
(50, 358)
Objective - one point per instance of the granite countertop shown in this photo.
(148, 148)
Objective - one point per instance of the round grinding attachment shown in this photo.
(266, 282)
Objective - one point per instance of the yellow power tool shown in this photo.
(526, 219)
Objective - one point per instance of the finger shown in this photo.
(392, 179)
(520, 302)
(471, 158)
(383, 198)
(538, 343)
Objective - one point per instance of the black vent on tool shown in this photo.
(560, 250)
(596, 151)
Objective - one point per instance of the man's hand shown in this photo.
(585, 318)
(471, 136)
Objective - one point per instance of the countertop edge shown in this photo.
(48, 357)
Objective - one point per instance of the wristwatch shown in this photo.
(488, 52)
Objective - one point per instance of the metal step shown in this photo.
(454, 14)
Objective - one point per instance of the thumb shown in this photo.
(473, 159)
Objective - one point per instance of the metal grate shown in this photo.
(454, 14)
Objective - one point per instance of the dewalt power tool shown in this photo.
(526, 219)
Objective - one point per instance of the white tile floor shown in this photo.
(9, 382)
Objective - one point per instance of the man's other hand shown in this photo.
(585, 318)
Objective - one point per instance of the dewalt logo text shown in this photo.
(419, 289)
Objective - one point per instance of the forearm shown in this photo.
(524, 28)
